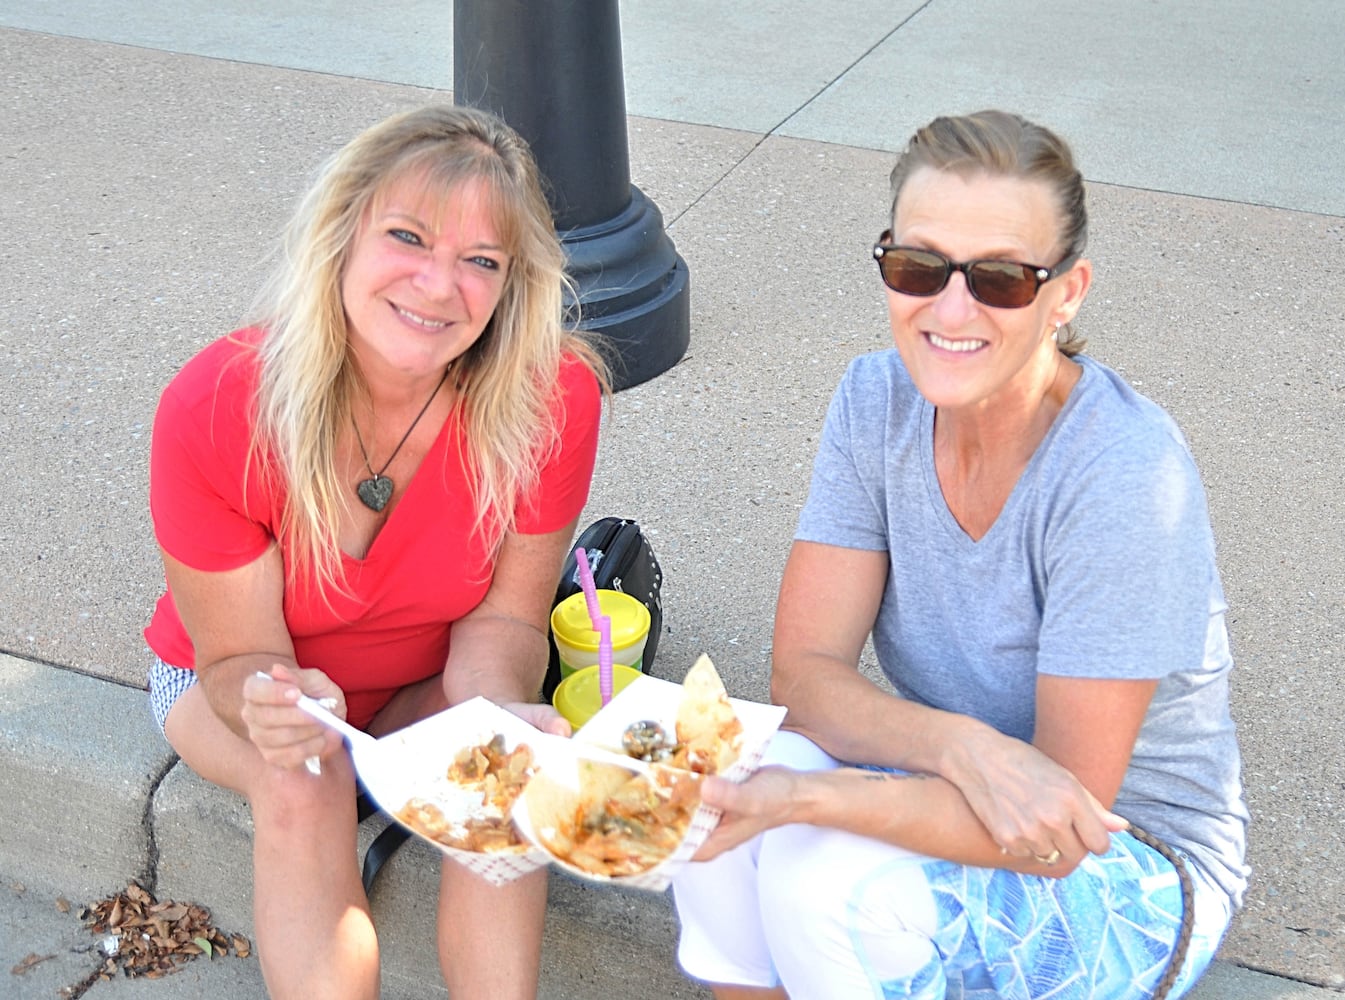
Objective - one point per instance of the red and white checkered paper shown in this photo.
(658, 700)
(412, 763)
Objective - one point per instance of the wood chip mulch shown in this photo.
(143, 937)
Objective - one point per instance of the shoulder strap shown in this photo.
(1188, 910)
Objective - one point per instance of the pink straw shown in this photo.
(590, 589)
(605, 658)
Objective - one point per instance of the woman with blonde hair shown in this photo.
(367, 495)
(1045, 799)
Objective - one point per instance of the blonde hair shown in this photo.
(308, 378)
(1005, 145)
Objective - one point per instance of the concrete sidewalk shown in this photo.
(152, 153)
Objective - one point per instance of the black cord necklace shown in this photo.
(376, 491)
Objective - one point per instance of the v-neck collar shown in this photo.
(399, 514)
(936, 498)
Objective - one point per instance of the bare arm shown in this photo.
(237, 626)
(922, 813)
(987, 793)
(829, 600)
(1058, 792)
(499, 650)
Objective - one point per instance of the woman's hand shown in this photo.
(284, 734)
(539, 716)
(1030, 805)
(767, 799)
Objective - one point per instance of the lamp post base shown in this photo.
(552, 69)
(634, 291)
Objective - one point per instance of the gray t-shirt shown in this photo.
(1101, 564)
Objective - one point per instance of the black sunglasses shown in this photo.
(1004, 284)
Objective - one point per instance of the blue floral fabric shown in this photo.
(1006, 936)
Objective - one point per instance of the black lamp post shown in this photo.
(552, 70)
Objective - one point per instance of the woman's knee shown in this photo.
(805, 880)
(718, 898)
(276, 795)
(845, 901)
(206, 744)
(293, 799)
(410, 705)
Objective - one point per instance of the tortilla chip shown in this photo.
(709, 732)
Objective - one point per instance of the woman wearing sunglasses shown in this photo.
(1025, 540)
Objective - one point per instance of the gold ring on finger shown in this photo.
(1049, 859)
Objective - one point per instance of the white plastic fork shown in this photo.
(355, 737)
(320, 711)
(359, 740)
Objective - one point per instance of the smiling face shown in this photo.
(424, 276)
(960, 352)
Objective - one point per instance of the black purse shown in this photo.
(621, 558)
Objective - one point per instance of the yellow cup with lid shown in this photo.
(579, 696)
(577, 639)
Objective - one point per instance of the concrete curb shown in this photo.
(88, 814)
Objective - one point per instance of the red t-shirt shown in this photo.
(425, 570)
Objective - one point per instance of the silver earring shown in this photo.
(1055, 334)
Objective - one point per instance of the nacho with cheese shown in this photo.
(609, 820)
(613, 821)
(470, 810)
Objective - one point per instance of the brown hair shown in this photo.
(1005, 145)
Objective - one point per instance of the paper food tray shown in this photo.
(656, 700)
(413, 762)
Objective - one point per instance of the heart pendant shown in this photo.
(375, 493)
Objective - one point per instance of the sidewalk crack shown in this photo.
(149, 875)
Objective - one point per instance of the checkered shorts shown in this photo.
(166, 685)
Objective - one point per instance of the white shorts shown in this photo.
(830, 914)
